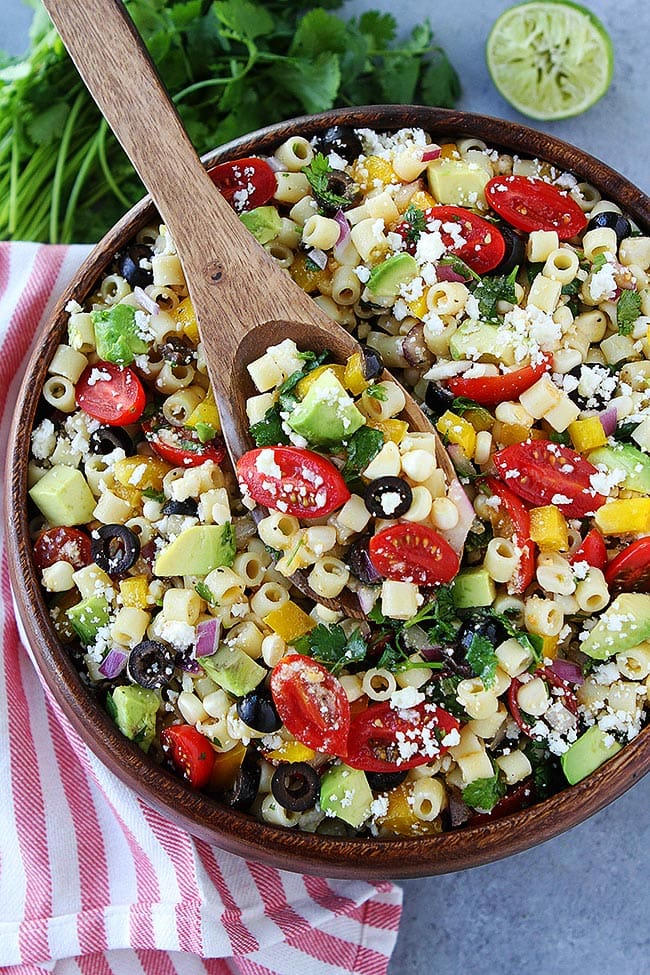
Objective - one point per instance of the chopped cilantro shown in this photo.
(416, 224)
(598, 262)
(317, 173)
(482, 659)
(628, 309)
(286, 396)
(491, 290)
(364, 444)
(152, 495)
(533, 269)
(330, 646)
(483, 794)
(529, 641)
(462, 404)
(459, 266)
(562, 438)
(438, 617)
(268, 432)
(377, 392)
(394, 659)
(443, 692)
(205, 593)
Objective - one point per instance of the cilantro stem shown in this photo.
(80, 178)
(57, 183)
(13, 184)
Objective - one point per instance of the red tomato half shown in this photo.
(191, 753)
(511, 520)
(312, 704)
(245, 183)
(63, 544)
(413, 553)
(478, 243)
(181, 446)
(387, 739)
(491, 390)
(292, 480)
(111, 394)
(593, 551)
(532, 204)
(547, 473)
(629, 571)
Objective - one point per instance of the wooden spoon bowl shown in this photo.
(200, 814)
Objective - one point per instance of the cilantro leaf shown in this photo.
(492, 289)
(286, 396)
(443, 692)
(415, 222)
(377, 392)
(153, 495)
(482, 659)
(364, 444)
(483, 794)
(459, 266)
(330, 646)
(317, 173)
(268, 431)
(437, 617)
(598, 262)
(529, 641)
(205, 593)
(628, 309)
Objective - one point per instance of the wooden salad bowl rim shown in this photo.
(202, 816)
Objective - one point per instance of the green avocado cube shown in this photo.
(344, 792)
(197, 551)
(134, 710)
(624, 624)
(457, 182)
(62, 495)
(624, 457)
(387, 278)
(585, 755)
(327, 414)
(472, 588)
(264, 223)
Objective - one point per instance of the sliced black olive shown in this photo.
(480, 625)
(176, 351)
(385, 781)
(360, 563)
(115, 548)
(257, 710)
(438, 399)
(372, 364)
(598, 394)
(150, 663)
(128, 265)
(295, 785)
(243, 791)
(614, 221)
(105, 440)
(388, 497)
(187, 507)
(341, 186)
(341, 139)
(515, 254)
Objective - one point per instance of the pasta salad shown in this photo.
(502, 651)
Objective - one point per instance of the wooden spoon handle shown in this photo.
(233, 282)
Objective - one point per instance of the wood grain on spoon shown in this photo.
(243, 301)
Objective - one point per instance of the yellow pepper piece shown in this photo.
(587, 434)
(289, 621)
(506, 434)
(418, 307)
(626, 515)
(353, 377)
(303, 387)
(449, 151)
(309, 279)
(457, 430)
(400, 819)
(549, 646)
(205, 412)
(226, 766)
(291, 751)
(548, 528)
(394, 430)
(134, 591)
(185, 315)
(422, 200)
(141, 472)
(371, 170)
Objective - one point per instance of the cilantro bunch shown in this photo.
(231, 66)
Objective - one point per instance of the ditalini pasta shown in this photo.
(504, 650)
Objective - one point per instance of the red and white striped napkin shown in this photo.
(92, 881)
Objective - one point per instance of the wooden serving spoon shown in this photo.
(243, 301)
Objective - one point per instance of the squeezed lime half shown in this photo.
(550, 59)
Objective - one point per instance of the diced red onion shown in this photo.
(207, 637)
(466, 515)
(145, 302)
(445, 272)
(431, 152)
(318, 257)
(275, 164)
(113, 663)
(609, 419)
(432, 654)
(344, 234)
(367, 598)
(458, 457)
(568, 670)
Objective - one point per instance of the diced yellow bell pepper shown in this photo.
(419, 307)
(480, 419)
(392, 429)
(310, 279)
(422, 200)
(129, 494)
(226, 767)
(291, 751)
(368, 171)
(289, 621)
(457, 430)
(549, 646)
(303, 387)
(449, 151)
(185, 315)
(400, 820)
(205, 412)
(134, 591)
(587, 434)
(141, 472)
(353, 377)
(548, 528)
(624, 516)
(506, 434)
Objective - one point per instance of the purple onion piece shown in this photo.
(414, 348)
(568, 670)
(433, 152)
(113, 663)
(145, 302)
(445, 272)
(433, 654)
(609, 419)
(207, 637)
(458, 535)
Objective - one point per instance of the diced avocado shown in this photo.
(231, 668)
(327, 414)
(585, 755)
(474, 340)
(457, 182)
(344, 792)
(625, 457)
(87, 617)
(624, 624)
(63, 496)
(117, 334)
(134, 710)
(265, 223)
(388, 277)
(473, 587)
(197, 551)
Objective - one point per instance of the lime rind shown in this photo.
(550, 59)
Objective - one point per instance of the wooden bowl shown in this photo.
(200, 815)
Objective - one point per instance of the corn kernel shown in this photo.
(289, 621)
(457, 430)
(548, 528)
(587, 434)
(184, 314)
(134, 592)
(627, 515)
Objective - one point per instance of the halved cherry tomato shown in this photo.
(413, 553)
(111, 394)
(388, 739)
(532, 204)
(181, 446)
(191, 753)
(478, 243)
(245, 183)
(593, 551)
(292, 480)
(63, 544)
(491, 390)
(312, 704)
(629, 571)
(511, 520)
(567, 698)
(547, 473)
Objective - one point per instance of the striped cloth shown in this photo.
(92, 881)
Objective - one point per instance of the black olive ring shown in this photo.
(115, 548)
(296, 786)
